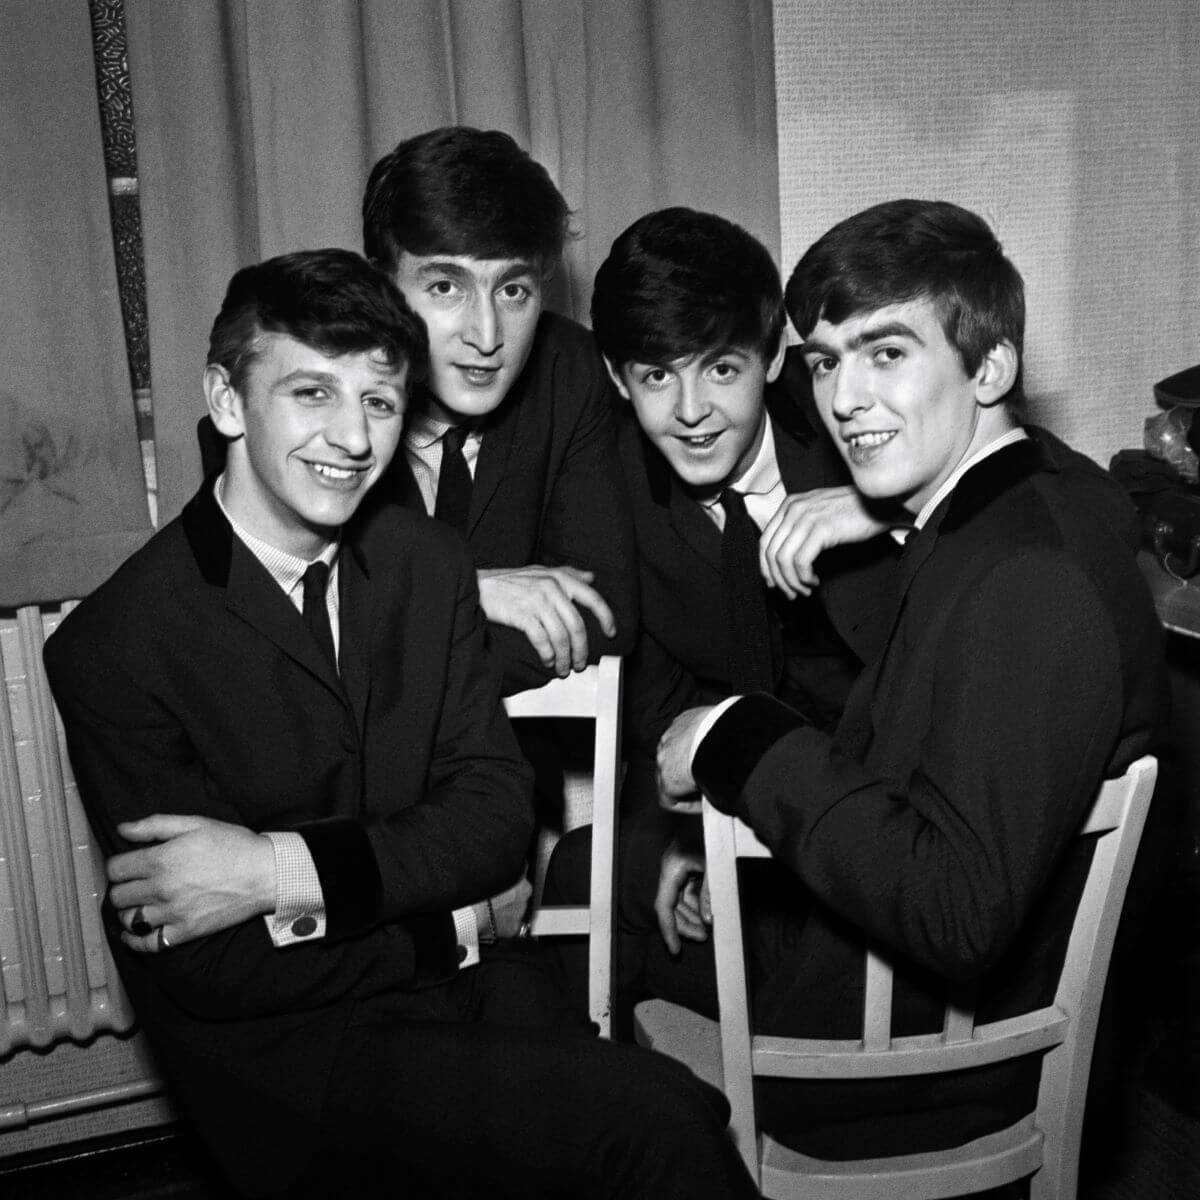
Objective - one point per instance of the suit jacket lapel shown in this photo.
(250, 592)
(357, 614)
(499, 436)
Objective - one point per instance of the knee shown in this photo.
(568, 874)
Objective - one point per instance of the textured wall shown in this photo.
(1073, 126)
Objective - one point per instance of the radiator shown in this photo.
(57, 980)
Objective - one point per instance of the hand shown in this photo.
(194, 876)
(543, 603)
(806, 524)
(676, 787)
(511, 908)
(681, 902)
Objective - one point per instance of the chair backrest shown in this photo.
(592, 693)
(1064, 1031)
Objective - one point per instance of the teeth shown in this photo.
(333, 472)
(871, 439)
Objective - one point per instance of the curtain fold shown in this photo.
(258, 120)
(72, 497)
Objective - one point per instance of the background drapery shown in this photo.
(258, 121)
(72, 499)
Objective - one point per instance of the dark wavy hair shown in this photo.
(678, 283)
(906, 250)
(332, 300)
(459, 190)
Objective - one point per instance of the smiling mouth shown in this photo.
(338, 474)
(699, 441)
(862, 447)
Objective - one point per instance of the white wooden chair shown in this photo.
(1045, 1144)
(595, 693)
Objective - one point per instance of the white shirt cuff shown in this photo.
(714, 715)
(466, 933)
(299, 914)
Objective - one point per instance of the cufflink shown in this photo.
(304, 926)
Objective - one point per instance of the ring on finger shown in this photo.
(139, 924)
(163, 944)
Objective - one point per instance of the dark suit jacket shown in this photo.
(548, 490)
(189, 684)
(1023, 665)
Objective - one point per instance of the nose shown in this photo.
(691, 402)
(851, 393)
(482, 332)
(348, 430)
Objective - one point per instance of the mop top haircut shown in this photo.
(463, 191)
(905, 250)
(332, 300)
(680, 283)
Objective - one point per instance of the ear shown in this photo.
(997, 374)
(615, 375)
(776, 363)
(224, 402)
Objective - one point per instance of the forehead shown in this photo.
(913, 320)
(483, 272)
(279, 357)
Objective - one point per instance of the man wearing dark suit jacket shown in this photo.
(1022, 666)
(287, 692)
(511, 439)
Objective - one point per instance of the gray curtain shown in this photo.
(258, 120)
(72, 499)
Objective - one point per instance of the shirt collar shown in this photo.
(286, 569)
(927, 509)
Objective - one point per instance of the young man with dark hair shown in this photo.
(717, 449)
(288, 694)
(1020, 667)
(511, 439)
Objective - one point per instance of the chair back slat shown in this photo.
(877, 1003)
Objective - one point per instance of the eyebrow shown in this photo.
(445, 266)
(302, 374)
(873, 333)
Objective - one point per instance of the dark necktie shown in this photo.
(316, 611)
(454, 481)
(743, 592)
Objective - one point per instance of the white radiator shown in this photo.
(57, 980)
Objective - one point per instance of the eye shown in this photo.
(311, 394)
(885, 356)
(724, 371)
(443, 289)
(515, 294)
(654, 377)
(818, 368)
(383, 406)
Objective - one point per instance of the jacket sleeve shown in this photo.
(946, 864)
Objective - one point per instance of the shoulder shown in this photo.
(400, 541)
(154, 590)
(564, 361)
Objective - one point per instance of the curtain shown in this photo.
(72, 498)
(258, 121)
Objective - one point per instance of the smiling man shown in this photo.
(286, 694)
(511, 439)
(1021, 666)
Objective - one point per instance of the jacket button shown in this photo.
(304, 926)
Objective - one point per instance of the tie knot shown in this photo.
(453, 439)
(733, 502)
(316, 580)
